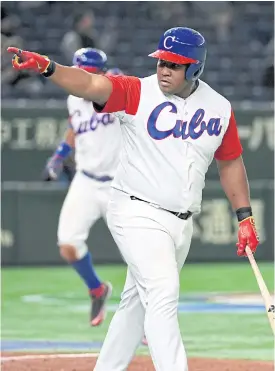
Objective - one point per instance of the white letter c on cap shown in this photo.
(165, 42)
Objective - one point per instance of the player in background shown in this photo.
(174, 124)
(67, 168)
(95, 138)
(56, 165)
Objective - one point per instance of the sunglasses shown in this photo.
(170, 65)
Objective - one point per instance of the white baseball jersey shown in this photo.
(97, 138)
(169, 142)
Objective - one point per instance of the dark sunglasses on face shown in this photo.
(170, 65)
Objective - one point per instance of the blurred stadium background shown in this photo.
(240, 65)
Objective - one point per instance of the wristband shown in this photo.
(243, 213)
(50, 69)
(63, 150)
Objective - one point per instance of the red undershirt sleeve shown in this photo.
(125, 95)
(230, 147)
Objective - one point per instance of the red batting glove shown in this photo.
(24, 60)
(247, 236)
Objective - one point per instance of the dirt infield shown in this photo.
(85, 362)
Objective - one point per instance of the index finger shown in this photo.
(12, 49)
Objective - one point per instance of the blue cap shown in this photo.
(181, 45)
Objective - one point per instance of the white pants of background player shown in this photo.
(85, 203)
(155, 244)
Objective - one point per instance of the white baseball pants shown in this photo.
(85, 203)
(154, 244)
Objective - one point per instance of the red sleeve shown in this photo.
(231, 147)
(125, 95)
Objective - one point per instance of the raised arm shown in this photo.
(75, 81)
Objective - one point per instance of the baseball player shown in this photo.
(96, 139)
(173, 125)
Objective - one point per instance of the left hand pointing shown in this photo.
(25, 60)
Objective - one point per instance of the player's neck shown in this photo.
(188, 90)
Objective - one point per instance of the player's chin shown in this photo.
(166, 88)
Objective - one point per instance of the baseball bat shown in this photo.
(262, 286)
